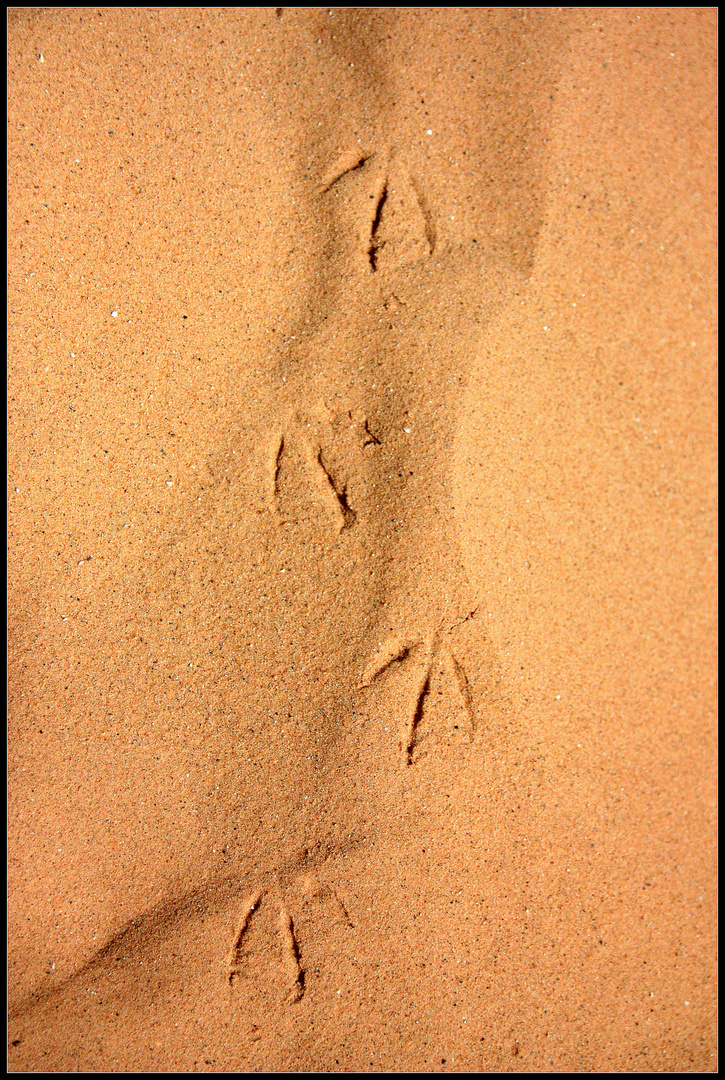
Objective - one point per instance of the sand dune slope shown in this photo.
(361, 506)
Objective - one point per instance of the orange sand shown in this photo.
(362, 539)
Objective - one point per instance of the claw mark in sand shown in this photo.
(428, 222)
(347, 921)
(291, 956)
(407, 739)
(392, 650)
(368, 438)
(380, 198)
(313, 890)
(456, 672)
(275, 459)
(346, 163)
(335, 496)
(234, 966)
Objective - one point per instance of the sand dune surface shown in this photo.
(361, 539)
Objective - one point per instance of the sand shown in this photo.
(362, 539)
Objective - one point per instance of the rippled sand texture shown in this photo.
(362, 525)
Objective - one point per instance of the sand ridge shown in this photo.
(361, 603)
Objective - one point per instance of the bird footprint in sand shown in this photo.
(276, 945)
(398, 229)
(317, 455)
(437, 667)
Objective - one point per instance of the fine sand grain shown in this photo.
(362, 539)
